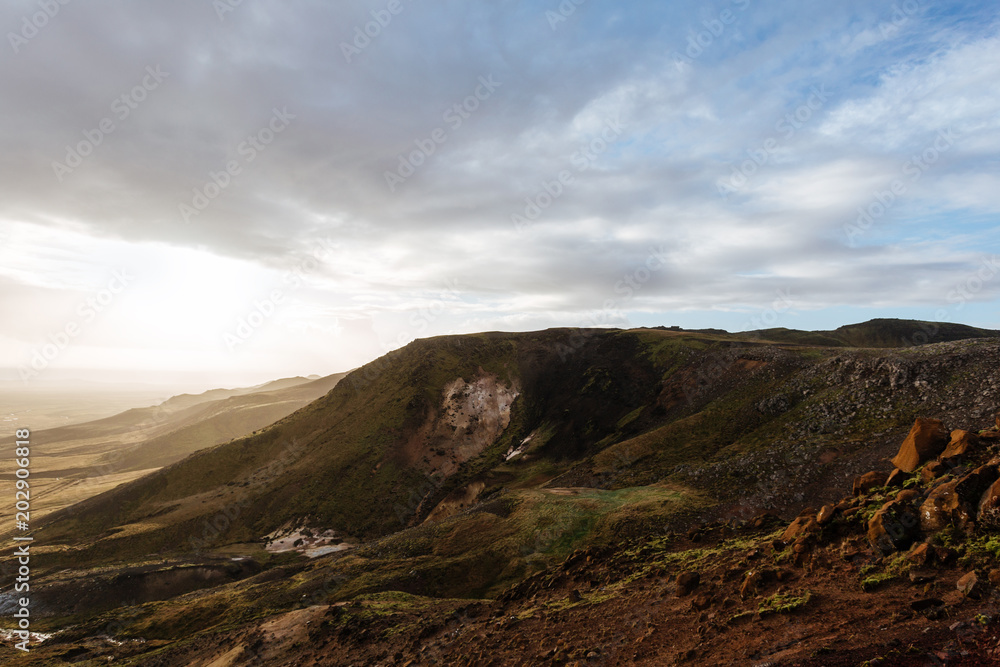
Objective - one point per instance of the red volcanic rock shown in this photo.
(926, 439)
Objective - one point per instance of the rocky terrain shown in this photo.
(649, 497)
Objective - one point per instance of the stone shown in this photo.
(686, 583)
(927, 439)
(826, 514)
(932, 471)
(921, 555)
(804, 524)
(956, 501)
(994, 577)
(869, 481)
(970, 586)
(961, 443)
(751, 583)
(896, 478)
(894, 527)
(989, 507)
(802, 546)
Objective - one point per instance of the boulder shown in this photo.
(921, 555)
(961, 443)
(894, 527)
(686, 583)
(804, 524)
(826, 514)
(927, 439)
(896, 478)
(869, 481)
(970, 586)
(989, 507)
(956, 501)
(932, 471)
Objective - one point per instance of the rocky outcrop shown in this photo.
(896, 524)
(926, 440)
(956, 502)
(960, 444)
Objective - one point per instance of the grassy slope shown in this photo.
(616, 409)
(338, 460)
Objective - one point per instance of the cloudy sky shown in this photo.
(242, 190)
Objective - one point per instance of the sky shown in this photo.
(226, 192)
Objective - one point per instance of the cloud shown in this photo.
(609, 125)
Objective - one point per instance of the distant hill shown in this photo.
(74, 462)
(879, 333)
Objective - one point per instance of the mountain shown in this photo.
(503, 488)
(879, 333)
(71, 463)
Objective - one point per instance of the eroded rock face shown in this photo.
(926, 440)
(470, 418)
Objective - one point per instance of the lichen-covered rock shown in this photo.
(927, 439)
